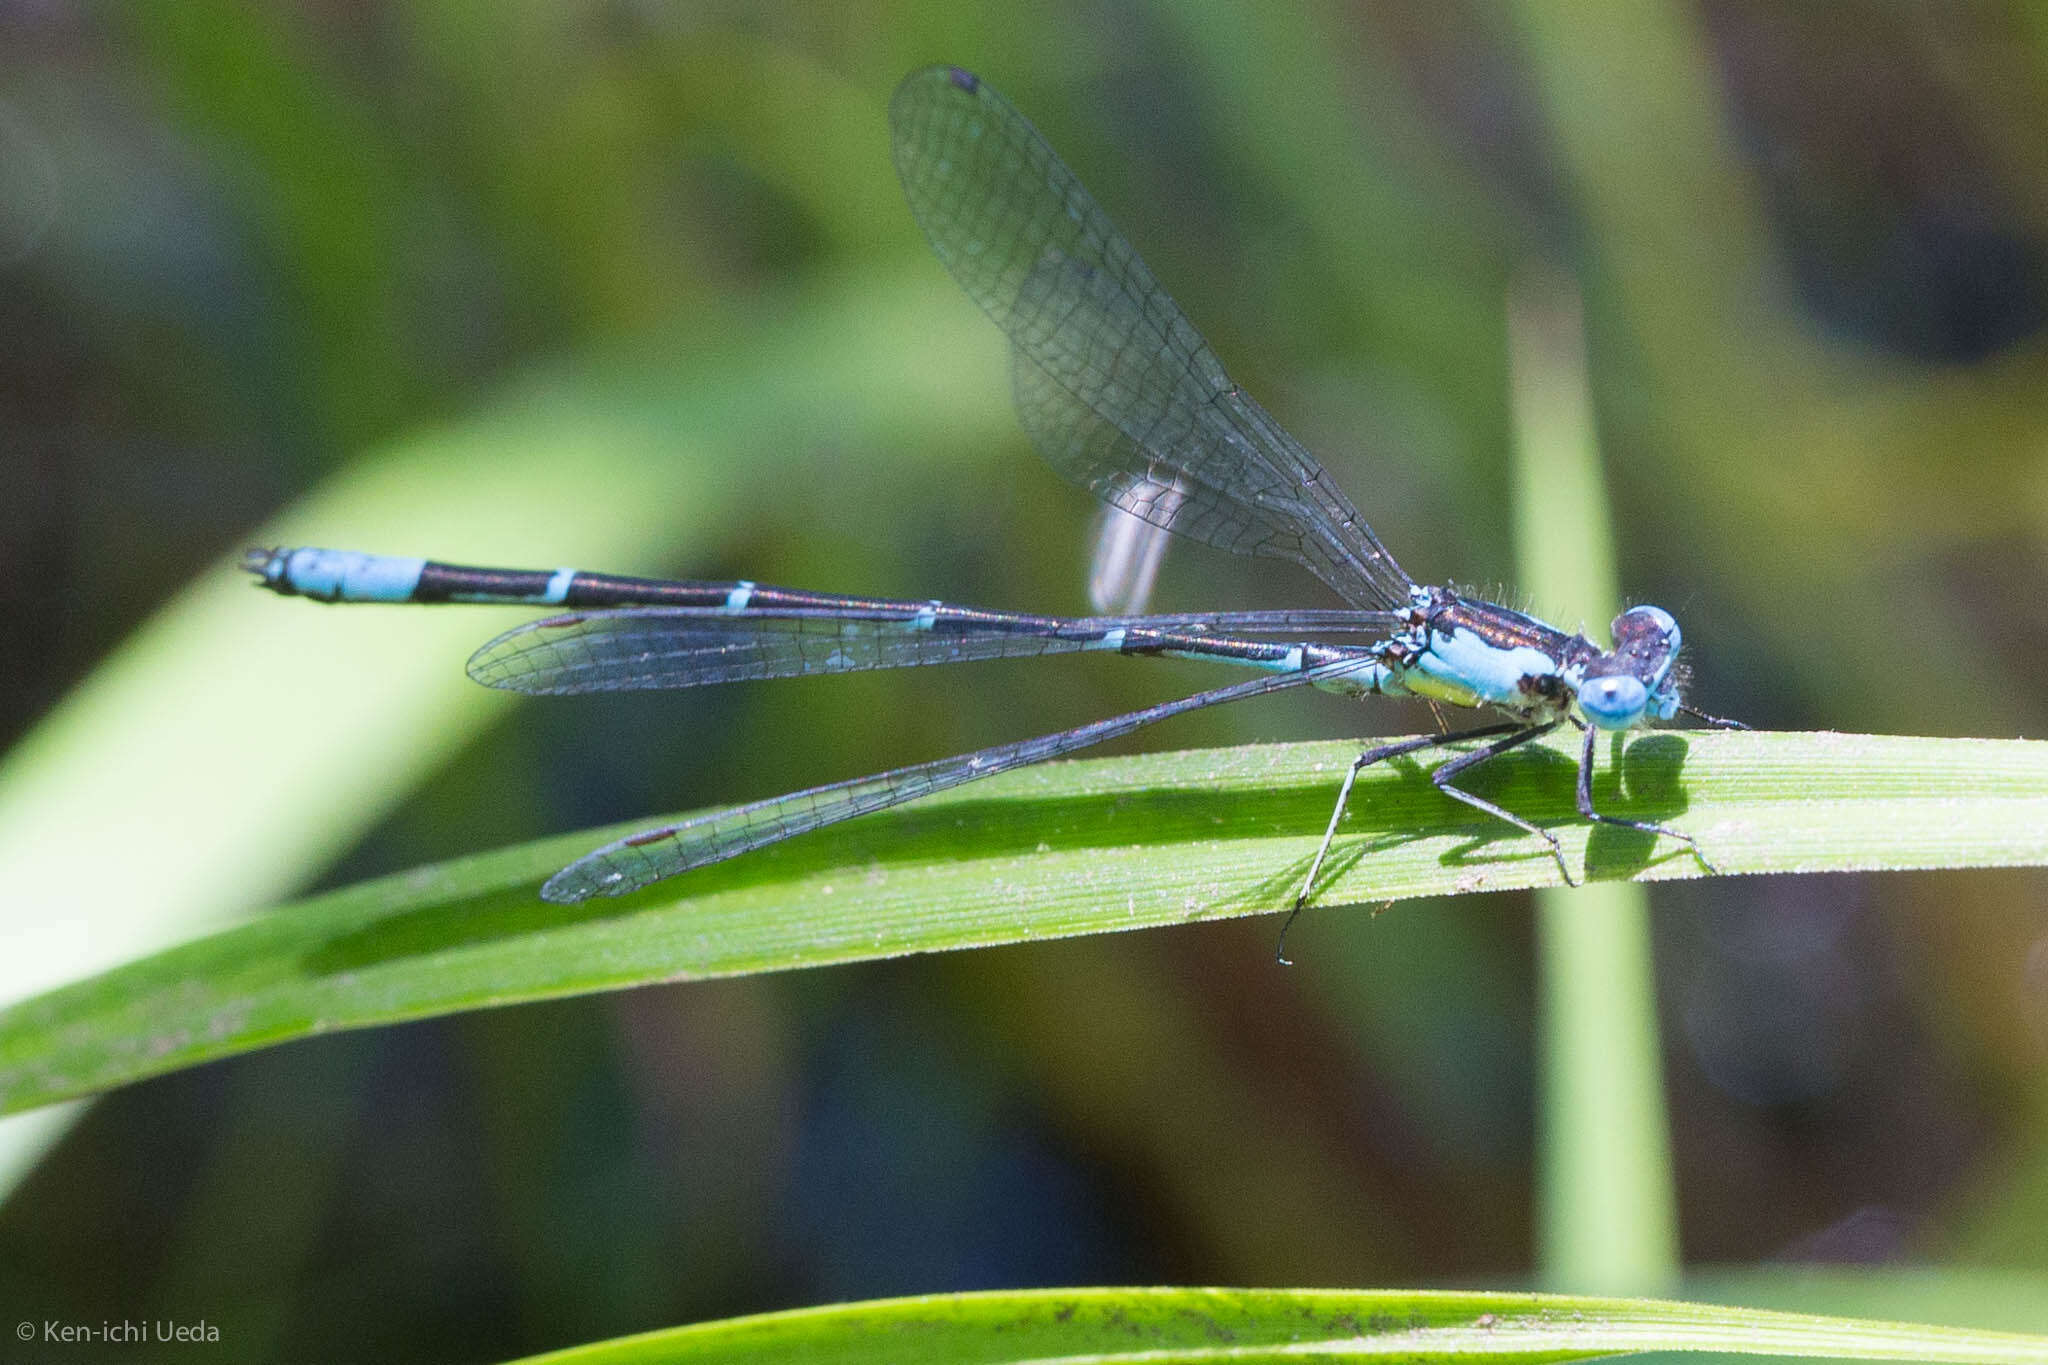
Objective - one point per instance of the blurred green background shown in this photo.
(630, 285)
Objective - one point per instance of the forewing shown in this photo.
(629, 649)
(638, 648)
(1116, 387)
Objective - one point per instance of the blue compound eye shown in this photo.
(1615, 702)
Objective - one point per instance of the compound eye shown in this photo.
(1646, 620)
(1615, 702)
(1648, 640)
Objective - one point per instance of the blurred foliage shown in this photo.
(628, 283)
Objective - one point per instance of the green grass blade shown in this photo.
(1163, 1326)
(1069, 848)
(1607, 1210)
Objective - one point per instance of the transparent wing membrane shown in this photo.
(670, 647)
(1118, 390)
(642, 859)
(654, 647)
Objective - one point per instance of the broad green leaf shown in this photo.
(1070, 848)
(1167, 1326)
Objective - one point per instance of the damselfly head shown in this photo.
(1637, 679)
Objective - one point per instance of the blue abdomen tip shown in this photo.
(351, 576)
(965, 79)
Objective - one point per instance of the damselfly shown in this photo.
(1120, 394)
